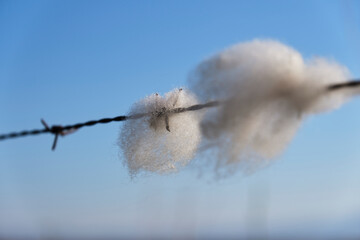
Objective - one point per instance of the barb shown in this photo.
(65, 130)
(57, 130)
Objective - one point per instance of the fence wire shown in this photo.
(64, 130)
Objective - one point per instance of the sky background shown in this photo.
(73, 61)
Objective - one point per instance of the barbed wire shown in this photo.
(65, 130)
(350, 84)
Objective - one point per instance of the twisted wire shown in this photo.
(350, 84)
(56, 129)
(63, 130)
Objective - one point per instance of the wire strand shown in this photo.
(64, 130)
(350, 84)
(57, 129)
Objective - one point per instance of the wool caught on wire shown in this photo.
(256, 95)
(267, 89)
(161, 141)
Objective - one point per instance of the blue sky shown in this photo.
(73, 61)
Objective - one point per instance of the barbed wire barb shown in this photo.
(57, 130)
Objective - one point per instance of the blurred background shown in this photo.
(73, 61)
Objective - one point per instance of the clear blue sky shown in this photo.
(72, 61)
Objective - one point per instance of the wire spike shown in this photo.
(167, 122)
(45, 124)
(55, 141)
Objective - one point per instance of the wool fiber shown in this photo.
(154, 144)
(266, 89)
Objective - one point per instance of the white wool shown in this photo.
(267, 88)
(149, 146)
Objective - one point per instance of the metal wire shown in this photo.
(64, 130)
(349, 84)
(57, 129)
